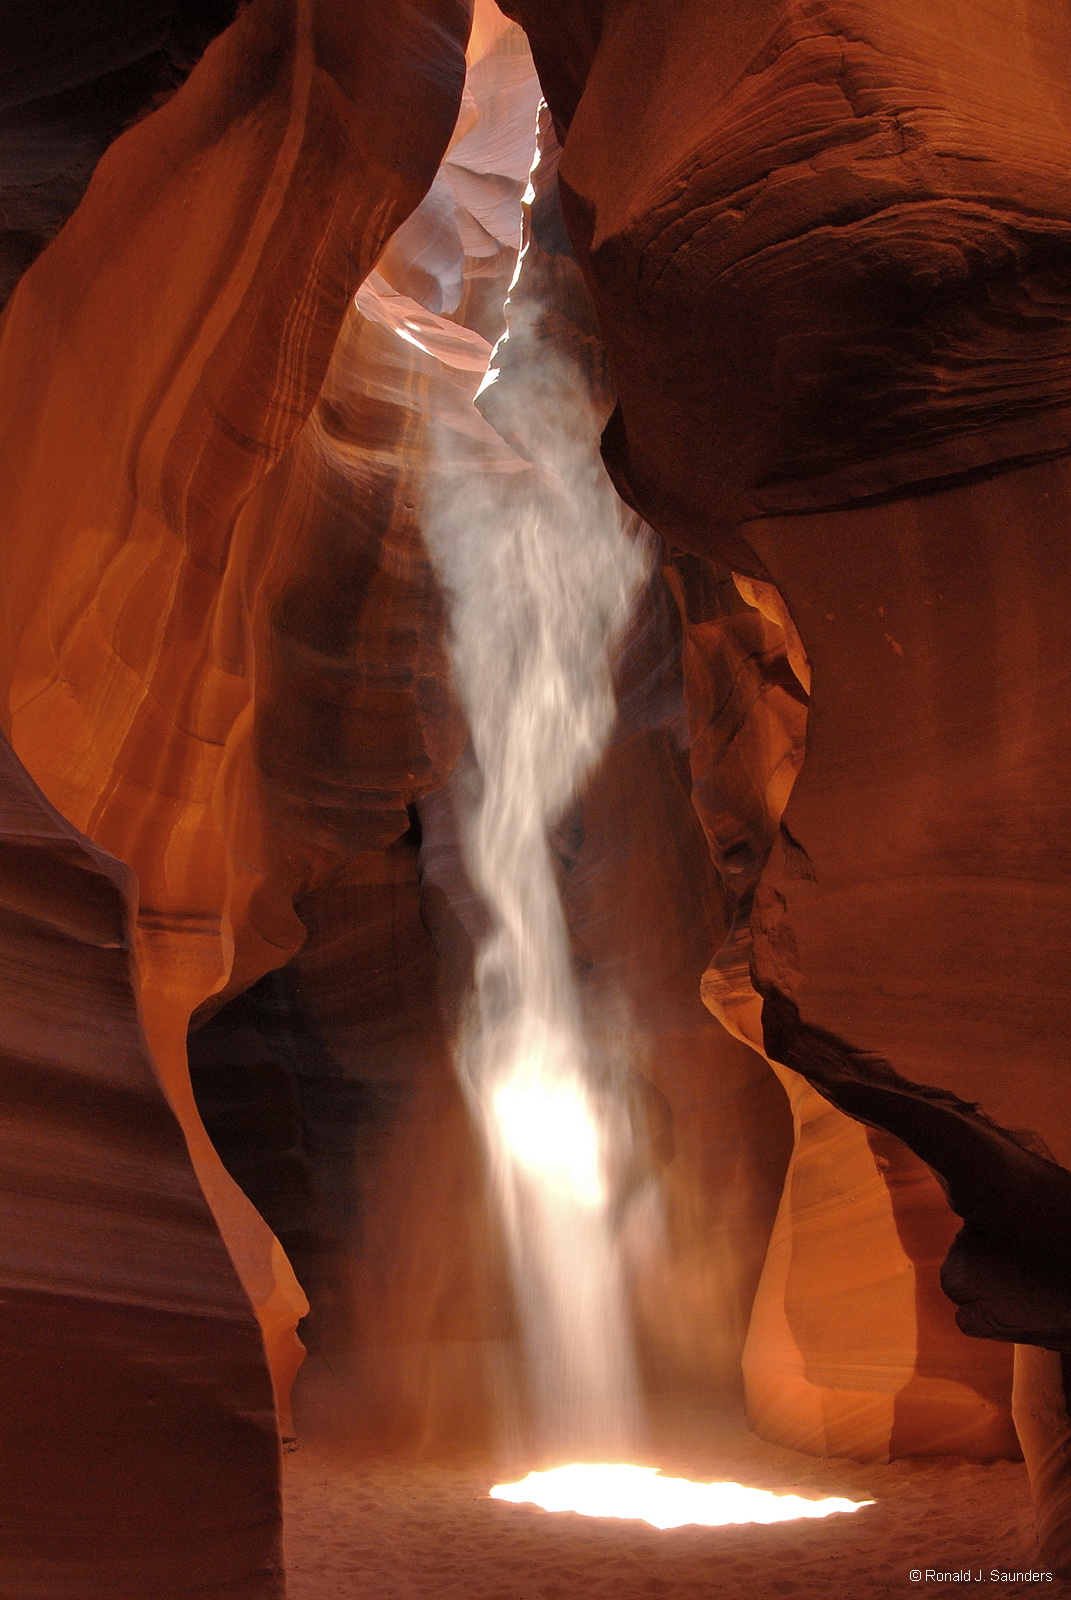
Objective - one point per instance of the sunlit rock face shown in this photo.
(165, 351)
(809, 277)
(852, 1347)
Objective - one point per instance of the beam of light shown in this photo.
(541, 563)
(549, 1128)
(641, 1494)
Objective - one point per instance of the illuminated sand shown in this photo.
(376, 1530)
(643, 1494)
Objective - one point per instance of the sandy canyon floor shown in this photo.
(377, 1530)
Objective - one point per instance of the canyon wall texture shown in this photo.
(71, 80)
(140, 1450)
(852, 1347)
(833, 289)
(157, 360)
(816, 255)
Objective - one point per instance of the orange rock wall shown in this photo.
(828, 245)
(829, 249)
(165, 350)
(162, 355)
(852, 1347)
(70, 82)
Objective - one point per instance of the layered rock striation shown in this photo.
(159, 358)
(140, 1451)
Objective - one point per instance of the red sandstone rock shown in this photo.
(827, 243)
(175, 337)
(70, 82)
(139, 1450)
(829, 254)
(429, 1353)
(846, 241)
(852, 1348)
(644, 906)
(162, 354)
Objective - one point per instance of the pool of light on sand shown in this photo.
(642, 1494)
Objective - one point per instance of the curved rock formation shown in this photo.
(420, 1330)
(837, 274)
(71, 81)
(204, 228)
(133, 1377)
(165, 350)
(827, 245)
(852, 1347)
(849, 227)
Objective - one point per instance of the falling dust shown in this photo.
(541, 566)
(541, 563)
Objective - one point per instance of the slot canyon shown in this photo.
(535, 794)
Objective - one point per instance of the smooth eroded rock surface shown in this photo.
(139, 1453)
(828, 249)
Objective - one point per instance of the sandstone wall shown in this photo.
(828, 246)
(159, 358)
